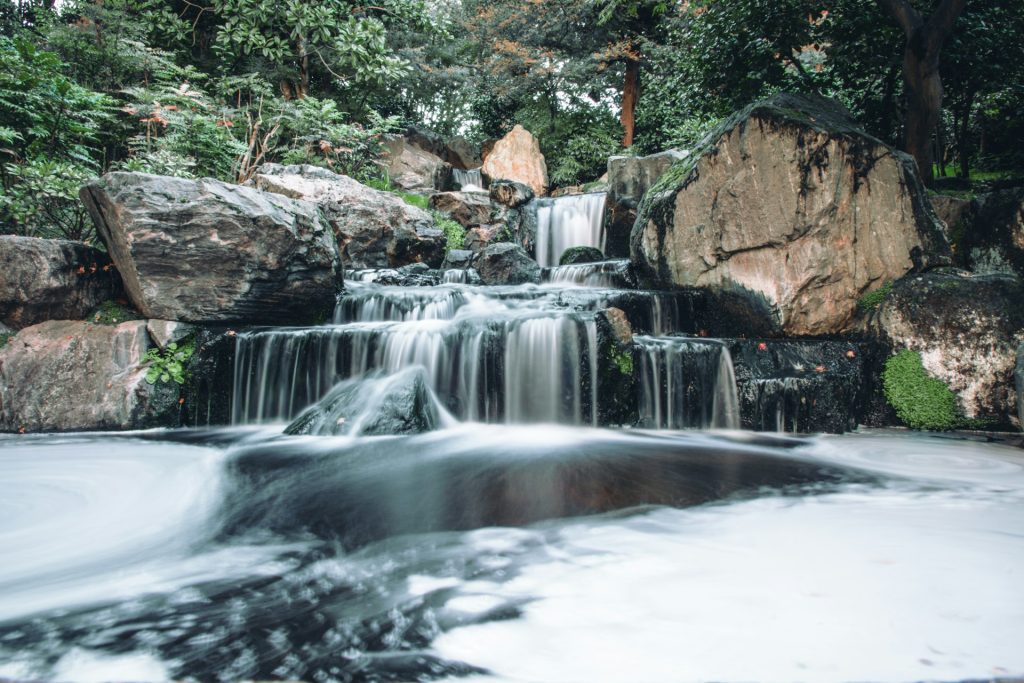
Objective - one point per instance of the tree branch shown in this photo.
(940, 23)
(908, 18)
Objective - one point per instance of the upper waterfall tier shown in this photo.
(570, 221)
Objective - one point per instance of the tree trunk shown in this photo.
(921, 73)
(963, 142)
(630, 95)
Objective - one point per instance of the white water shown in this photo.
(569, 221)
(607, 274)
(469, 180)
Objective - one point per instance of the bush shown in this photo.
(168, 365)
(454, 233)
(920, 401)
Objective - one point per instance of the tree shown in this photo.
(922, 79)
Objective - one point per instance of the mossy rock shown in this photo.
(574, 255)
(920, 400)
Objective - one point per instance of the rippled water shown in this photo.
(518, 553)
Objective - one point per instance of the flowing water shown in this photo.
(571, 221)
(417, 490)
(471, 180)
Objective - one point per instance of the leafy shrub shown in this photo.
(920, 401)
(454, 233)
(40, 199)
(168, 365)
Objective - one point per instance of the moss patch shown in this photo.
(4, 338)
(113, 313)
(920, 401)
(417, 200)
(873, 299)
(574, 255)
(623, 360)
(454, 233)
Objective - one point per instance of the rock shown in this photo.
(207, 251)
(967, 330)
(567, 190)
(69, 375)
(790, 201)
(414, 169)
(164, 332)
(463, 154)
(478, 239)
(510, 194)
(628, 180)
(618, 324)
(401, 403)
(506, 264)
(1018, 381)
(993, 242)
(458, 258)
(574, 255)
(517, 157)
(374, 229)
(956, 212)
(52, 280)
(468, 209)
(210, 377)
(616, 379)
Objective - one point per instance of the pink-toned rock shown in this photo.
(517, 157)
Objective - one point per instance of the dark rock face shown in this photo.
(206, 251)
(52, 280)
(374, 229)
(574, 255)
(800, 386)
(210, 377)
(790, 200)
(510, 194)
(397, 404)
(629, 178)
(479, 238)
(992, 240)
(506, 264)
(616, 379)
(468, 209)
(458, 258)
(967, 330)
(67, 375)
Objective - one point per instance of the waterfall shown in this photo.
(471, 180)
(382, 304)
(570, 221)
(686, 383)
(607, 274)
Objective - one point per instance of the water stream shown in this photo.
(571, 221)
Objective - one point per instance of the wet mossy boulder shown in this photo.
(966, 330)
(574, 255)
(791, 200)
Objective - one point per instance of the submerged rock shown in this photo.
(68, 375)
(517, 157)
(52, 280)
(207, 251)
(967, 330)
(791, 201)
(374, 229)
(629, 178)
(506, 264)
(401, 403)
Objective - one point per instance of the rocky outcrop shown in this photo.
(463, 154)
(510, 194)
(207, 251)
(629, 178)
(415, 169)
(967, 330)
(506, 264)
(52, 280)
(992, 239)
(517, 157)
(574, 255)
(468, 209)
(789, 200)
(478, 239)
(374, 229)
(458, 259)
(68, 375)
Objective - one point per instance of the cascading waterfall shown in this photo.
(570, 221)
(381, 304)
(686, 383)
(471, 180)
(600, 274)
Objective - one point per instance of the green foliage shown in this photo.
(623, 360)
(454, 233)
(874, 299)
(114, 313)
(168, 365)
(920, 401)
(6, 337)
(418, 200)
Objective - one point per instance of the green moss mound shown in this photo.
(920, 401)
(574, 255)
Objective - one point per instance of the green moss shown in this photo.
(623, 360)
(873, 299)
(4, 338)
(454, 233)
(114, 313)
(417, 200)
(920, 401)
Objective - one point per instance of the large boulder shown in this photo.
(509, 193)
(463, 154)
(967, 330)
(990, 238)
(468, 209)
(374, 229)
(413, 168)
(629, 178)
(66, 375)
(790, 201)
(517, 157)
(207, 251)
(505, 263)
(52, 280)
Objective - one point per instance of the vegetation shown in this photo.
(874, 298)
(114, 313)
(454, 233)
(920, 401)
(5, 337)
(168, 364)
